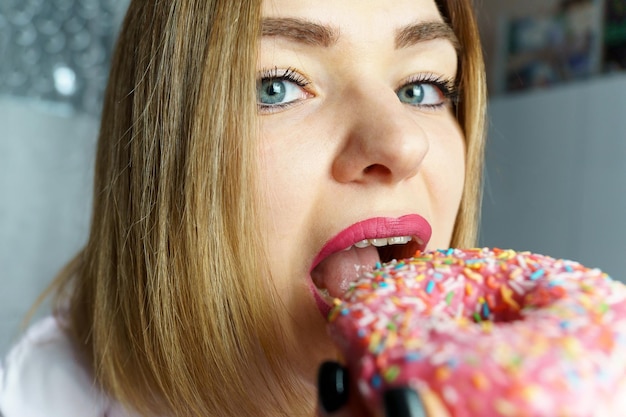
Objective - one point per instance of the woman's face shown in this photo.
(359, 148)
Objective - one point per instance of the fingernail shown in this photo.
(403, 402)
(332, 385)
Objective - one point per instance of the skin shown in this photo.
(347, 148)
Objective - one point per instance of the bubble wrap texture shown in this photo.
(58, 51)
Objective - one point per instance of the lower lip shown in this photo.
(409, 225)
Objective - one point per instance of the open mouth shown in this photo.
(358, 248)
(334, 274)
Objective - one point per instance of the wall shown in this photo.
(555, 160)
(45, 202)
(556, 173)
(55, 58)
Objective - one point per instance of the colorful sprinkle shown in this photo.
(449, 297)
(537, 274)
(392, 373)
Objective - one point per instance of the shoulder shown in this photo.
(42, 376)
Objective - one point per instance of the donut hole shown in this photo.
(507, 305)
(486, 304)
(501, 311)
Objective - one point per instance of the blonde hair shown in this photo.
(166, 301)
(470, 114)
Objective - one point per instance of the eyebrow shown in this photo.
(300, 31)
(426, 31)
(315, 34)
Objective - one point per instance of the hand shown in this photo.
(338, 398)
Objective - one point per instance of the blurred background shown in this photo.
(556, 153)
(54, 63)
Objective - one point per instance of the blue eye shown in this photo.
(279, 88)
(428, 93)
(272, 91)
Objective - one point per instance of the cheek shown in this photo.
(448, 151)
(290, 177)
(279, 192)
(278, 210)
(285, 178)
(294, 165)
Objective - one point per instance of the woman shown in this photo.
(243, 146)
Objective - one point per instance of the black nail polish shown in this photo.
(403, 402)
(332, 385)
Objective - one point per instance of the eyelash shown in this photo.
(448, 87)
(290, 74)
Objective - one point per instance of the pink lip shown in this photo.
(377, 227)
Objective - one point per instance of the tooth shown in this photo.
(419, 241)
(398, 240)
(348, 248)
(379, 242)
(362, 244)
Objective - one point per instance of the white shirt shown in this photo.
(43, 377)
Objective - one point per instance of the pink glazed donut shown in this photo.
(491, 332)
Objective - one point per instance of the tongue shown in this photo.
(336, 272)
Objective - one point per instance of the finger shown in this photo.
(333, 386)
(432, 403)
(403, 402)
(337, 397)
(408, 402)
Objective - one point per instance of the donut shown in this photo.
(491, 332)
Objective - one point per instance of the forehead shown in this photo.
(356, 22)
(354, 14)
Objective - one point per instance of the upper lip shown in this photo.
(412, 225)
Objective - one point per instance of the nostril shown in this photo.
(333, 386)
(376, 169)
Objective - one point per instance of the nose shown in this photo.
(382, 139)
